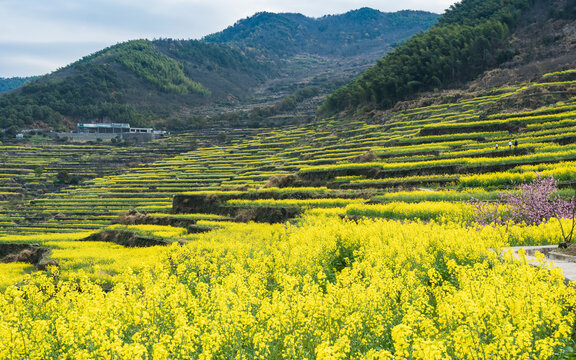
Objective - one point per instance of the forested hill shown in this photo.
(7, 84)
(355, 32)
(134, 82)
(185, 82)
(516, 40)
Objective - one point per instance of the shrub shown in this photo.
(281, 181)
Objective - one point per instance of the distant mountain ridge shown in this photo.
(163, 82)
(331, 35)
(7, 84)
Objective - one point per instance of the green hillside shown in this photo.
(356, 32)
(132, 82)
(7, 84)
(470, 38)
(188, 82)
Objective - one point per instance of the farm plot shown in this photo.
(365, 226)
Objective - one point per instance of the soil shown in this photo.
(26, 253)
(125, 238)
(571, 250)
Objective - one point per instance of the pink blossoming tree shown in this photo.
(532, 204)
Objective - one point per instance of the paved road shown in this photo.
(568, 267)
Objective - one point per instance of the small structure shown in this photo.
(141, 130)
(102, 128)
(94, 131)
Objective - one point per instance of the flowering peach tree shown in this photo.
(532, 204)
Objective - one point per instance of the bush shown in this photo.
(281, 181)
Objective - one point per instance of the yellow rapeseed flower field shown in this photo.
(325, 288)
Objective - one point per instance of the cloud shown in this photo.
(65, 23)
(26, 65)
(41, 58)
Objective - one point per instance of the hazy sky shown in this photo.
(39, 36)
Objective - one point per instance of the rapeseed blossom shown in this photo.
(326, 288)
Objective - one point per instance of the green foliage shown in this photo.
(290, 102)
(211, 56)
(64, 178)
(154, 82)
(287, 34)
(104, 85)
(92, 92)
(165, 73)
(471, 37)
(7, 84)
(38, 171)
(475, 12)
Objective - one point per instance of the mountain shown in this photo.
(250, 66)
(491, 41)
(132, 82)
(7, 84)
(355, 32)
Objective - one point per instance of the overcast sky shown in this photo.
(39, 36)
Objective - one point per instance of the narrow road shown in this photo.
(566, 263)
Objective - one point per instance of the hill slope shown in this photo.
(145, 82)
(472, 37)
(128, 81)
(354, 33)
(7, 84)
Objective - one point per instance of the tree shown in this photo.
(63, 177)
(38, 171)
(532, 204)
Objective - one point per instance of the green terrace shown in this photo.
(347, 168)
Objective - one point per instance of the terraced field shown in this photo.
(416, 168)
(326, 164)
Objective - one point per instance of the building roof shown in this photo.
(104, 125)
